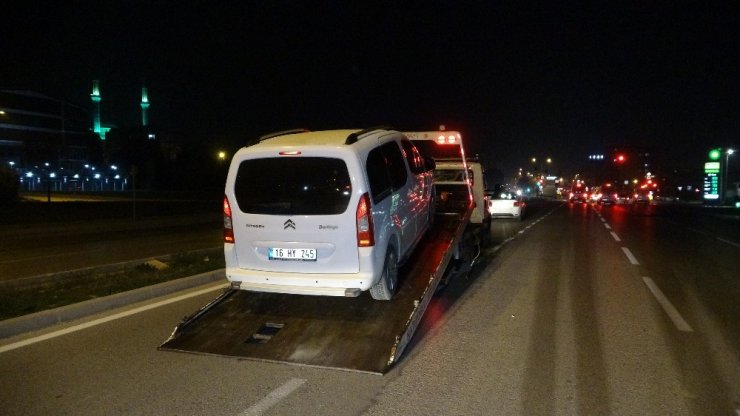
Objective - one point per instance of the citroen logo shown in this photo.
(288, 224)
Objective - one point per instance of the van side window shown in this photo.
(416, 163)
(377, 175)
(396, 165)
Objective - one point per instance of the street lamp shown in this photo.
(728, 153)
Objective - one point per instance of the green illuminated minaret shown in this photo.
(144, 106)
(95, 96)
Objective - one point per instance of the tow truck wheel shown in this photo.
(485, 231)
(388, 283)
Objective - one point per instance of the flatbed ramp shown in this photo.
(358, 334)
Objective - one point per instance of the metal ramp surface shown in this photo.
(358, 334)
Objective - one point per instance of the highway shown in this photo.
(577, 310)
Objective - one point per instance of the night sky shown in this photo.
(517, 79)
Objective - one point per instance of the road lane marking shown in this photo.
(728, 242)
(65, 331)
(676, 317)
(607, 226)
(696, 231)
(616, 237)
(630, 256)
(274, 397)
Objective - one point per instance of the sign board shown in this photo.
(711, 180)
(711, 167)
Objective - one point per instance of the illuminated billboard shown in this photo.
(711, 181)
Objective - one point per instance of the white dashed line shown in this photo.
(676, 317)
(630, 256)
(616, 237)
(607, 226)
(732, 243)
(274, 397)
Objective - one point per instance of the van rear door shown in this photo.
(293, 214)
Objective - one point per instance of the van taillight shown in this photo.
(364, 216)
(228, 225)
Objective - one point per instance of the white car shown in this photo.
(325, 213)
(506, 204)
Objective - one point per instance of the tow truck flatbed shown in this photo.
(356, 334)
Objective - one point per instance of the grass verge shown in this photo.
(88, 284)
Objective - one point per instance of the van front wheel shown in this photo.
(388, 283)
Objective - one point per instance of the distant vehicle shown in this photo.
(608, 198)
(503, 203)
(623, 198)
(579, 193)
(550, 187)
(607, 195)
(325, 213)
(640, 198)
(595, 194)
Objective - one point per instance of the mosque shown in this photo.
(51, 142)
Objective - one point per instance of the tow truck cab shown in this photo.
(455, 176)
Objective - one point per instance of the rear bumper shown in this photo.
(300, 284)
(506, 215)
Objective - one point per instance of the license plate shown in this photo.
(304, 254)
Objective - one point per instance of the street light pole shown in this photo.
(728, 153)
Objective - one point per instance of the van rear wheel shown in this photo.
(388, 283)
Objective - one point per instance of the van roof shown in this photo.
(324, 137)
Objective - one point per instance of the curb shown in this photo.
(44, 319)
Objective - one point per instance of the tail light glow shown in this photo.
(228, 224)
(364, 216)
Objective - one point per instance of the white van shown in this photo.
(325, 212)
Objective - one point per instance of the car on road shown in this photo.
(606, 195)
(640, 198)
(608, 198)
(331, 213)
(503, 203)
(623, 198)
(579, 193)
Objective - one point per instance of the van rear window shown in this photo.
(293, 186)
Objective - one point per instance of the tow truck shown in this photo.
(354, 334)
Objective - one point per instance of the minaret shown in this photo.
(95, 96)
(144, 106)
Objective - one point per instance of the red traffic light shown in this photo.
(620, 158)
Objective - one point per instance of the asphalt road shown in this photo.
(577, 310)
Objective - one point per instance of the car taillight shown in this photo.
(517, 203)
(228, 225)
(364, 216)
